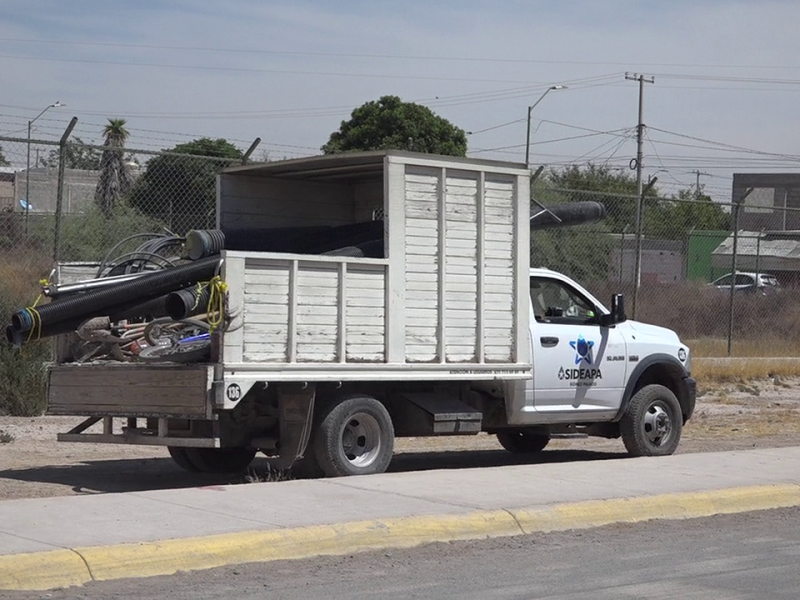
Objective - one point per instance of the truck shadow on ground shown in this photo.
(137, 475)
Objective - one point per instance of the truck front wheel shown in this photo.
(519, 441)
(652, 423)
(354, 436)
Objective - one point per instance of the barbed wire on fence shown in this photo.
(687, 247)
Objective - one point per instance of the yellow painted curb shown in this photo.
(167, 557)
(61, 568)
(596, 513)
(42, 570)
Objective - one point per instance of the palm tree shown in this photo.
(115, 179)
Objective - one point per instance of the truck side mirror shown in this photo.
(618, 308)
(617, 314)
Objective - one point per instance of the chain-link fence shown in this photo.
(75, 202)
(718, 274)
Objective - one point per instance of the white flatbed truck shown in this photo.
(328, 358)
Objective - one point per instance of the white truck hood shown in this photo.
(661, 334)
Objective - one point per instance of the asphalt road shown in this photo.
(749, 555)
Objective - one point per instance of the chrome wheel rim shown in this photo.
(361, 439)
(657, 424)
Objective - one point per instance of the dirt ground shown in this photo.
(33, 464)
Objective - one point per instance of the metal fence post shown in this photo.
(731, 307)
(62, 159)
(639, 243)
(758, 254)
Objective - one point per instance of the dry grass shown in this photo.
(268, 474)
(766, 422)
(5, 437)
(747, 348)
(745, 371)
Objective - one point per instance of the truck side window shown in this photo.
(554, 302)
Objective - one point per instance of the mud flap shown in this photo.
(296, 407)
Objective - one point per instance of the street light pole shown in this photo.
(55, 104)
(530, 109)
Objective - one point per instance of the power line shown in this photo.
(483, 59)
(255, 70)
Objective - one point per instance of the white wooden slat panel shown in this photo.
(317, 326)
(461, 250)
(421, 227)
(422, 265)
(427, 252)
(266, 311)
(365, 339)
(254, 300)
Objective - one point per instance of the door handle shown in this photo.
(549, 342)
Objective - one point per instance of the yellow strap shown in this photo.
(37, 323)
(216, 303)
(35, 316)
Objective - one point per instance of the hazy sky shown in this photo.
(726, 75)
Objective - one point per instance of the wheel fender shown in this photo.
(684, 394)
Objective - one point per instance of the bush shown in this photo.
(89, 235)
(23, 375)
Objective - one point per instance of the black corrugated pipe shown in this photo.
(187, 302)
(152, 309)
(18, 338)
(204, 242)
(131, 293)
(574, 213)
(127, 310)
(299, 240)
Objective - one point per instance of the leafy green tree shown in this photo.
(179, 188)
(674, 218)
(3, 161)
(615, 189)
(78, 155)
(390, 123)
(115, 179)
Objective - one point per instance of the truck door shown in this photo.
(579, 366)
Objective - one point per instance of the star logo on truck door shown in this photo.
(583, 350)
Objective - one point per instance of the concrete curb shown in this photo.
(76, 566)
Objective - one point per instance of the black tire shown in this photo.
(519, 441)
(221, 460)
(354, 436)
(652, 423)
(178, 454)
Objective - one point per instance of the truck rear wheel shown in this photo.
(519, 441)
(652, 423)
(354, 436)
(220, 460)
(178, 454)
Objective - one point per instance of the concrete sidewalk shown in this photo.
(54, 542)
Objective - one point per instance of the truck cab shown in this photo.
(590, 362)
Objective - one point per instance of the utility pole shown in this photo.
(639, 192)
(698, 172)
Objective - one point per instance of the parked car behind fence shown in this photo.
(759, 283)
